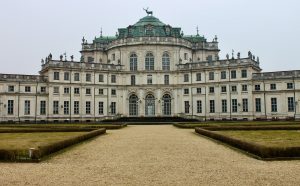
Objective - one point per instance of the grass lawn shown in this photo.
(270, 138)
(18, 141)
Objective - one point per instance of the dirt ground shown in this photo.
(151, 155)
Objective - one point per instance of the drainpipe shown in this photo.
(35, 113)
(265, 105)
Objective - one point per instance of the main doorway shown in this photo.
(133, 105)
(150, 105)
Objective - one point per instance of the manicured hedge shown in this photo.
(256, 149)
(32, 130)
(48, 149)
(266, 127)
(41, 151)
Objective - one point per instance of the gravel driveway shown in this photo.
(151, 155)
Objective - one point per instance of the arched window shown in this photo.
(166, 105)
(133, 105)
(165, 61)
(149, 61)
(133, 62)
(150, 105)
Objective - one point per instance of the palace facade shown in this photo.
(149, 69)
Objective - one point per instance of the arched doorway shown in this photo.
(150, 105)
(166, 105)
(133, 105)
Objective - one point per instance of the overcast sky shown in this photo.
(31, 29)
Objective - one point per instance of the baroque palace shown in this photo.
(149, 69)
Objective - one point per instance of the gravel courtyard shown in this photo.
(151, 155)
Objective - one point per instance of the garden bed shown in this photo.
(268, 144)
(35, 145)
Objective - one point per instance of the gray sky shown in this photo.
(31, 29)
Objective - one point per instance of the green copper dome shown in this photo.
(149, 20)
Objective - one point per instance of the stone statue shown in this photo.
(148, 12)
(81, 59)
(250, 55)
(61, 57)
(227, 56)
(216, 38)
(50, 56)
(72, 57)
(46, 59)
(83, 40)
(257, 59)
(253, 57)
(239, 55)
(42, 61)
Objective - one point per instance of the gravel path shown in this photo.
(151, 155)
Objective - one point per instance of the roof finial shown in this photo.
(197, 31)
(101, 32)
(148, 12)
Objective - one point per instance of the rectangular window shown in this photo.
(289, 85)
(101, 92)
(27, 107)
(234, 105)
(43, 89)
(223, 75)
(244, 88)
(223, 89)
(55, 90)
(149, 79)
(198, 77)
(56, 76)
(43, 108)
(11, 88)
(88, 77)
(76, 77)
(274, 104)
(10, 107)
(273, 86)
(76, 107)
(113, 92)
(88, 91)
(186, 107)
(185, 56)
(233, 88)
(186, 91)
(27, 89)
(257, 87)
(211, 76)
(66, 90)
(113, 108)
(291, 104)
(113, 56)
(101, 106)
(55, 107)
(66, 76)
(166, 80)
(224, 105)
(88, 107)
(233, 74)
(101, 78)
(212, 106)
(113, 78)
(132, 80)
(76, 91)
(245, 105)
(66, 107)
(257, 104)
(199, 106)
(211, 90)
(198, 90)
(186, 78)
(244, 73)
